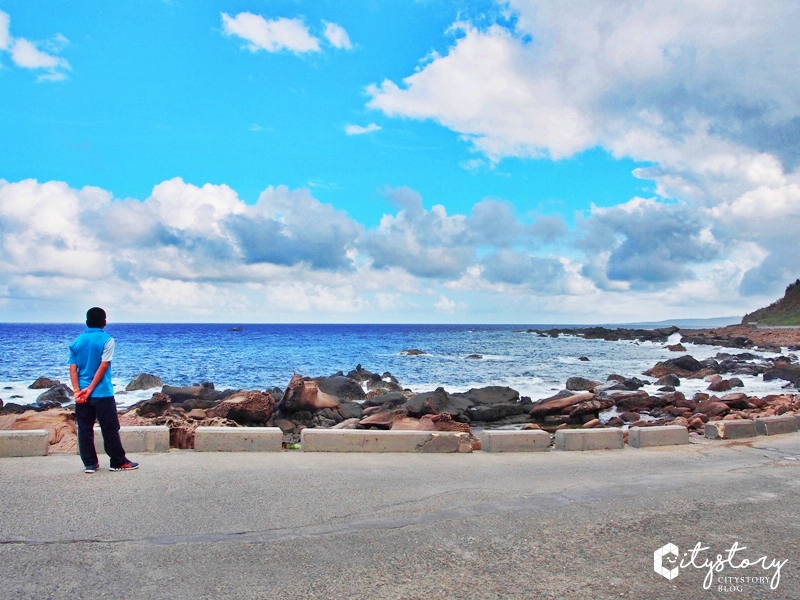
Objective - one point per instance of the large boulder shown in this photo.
(344, 388)
(437, 402)
(159, 404)
(305, 395)
(683, 366)
(783, 370)
(581, 384)
(43, 383)
(559, 402)
(633, 401)
(391, 399)
(245, 408)
(180, 394)
(383, 419)
(144, 381)
(493, 394)
(495, 412)
(59, 393)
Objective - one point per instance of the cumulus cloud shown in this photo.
(359, 130)
(699, 90)
(337, 36)
(646, 243)
(544, 275)
(26, 54)
(273, 35)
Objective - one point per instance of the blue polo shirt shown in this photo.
(88, 350)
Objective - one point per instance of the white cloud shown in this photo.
(273, 36)
(5, 37)
(359, 130)
(700, 90)
(27, 55)
(337, 36)
(445, 305)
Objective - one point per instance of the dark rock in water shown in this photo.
(359, 374)
(17, 396)
(634, 383)
(58, 393)
(584, 359)
(45, 405)
(413, 352)
(43, 383)
(439, 401)
(613, 335)
(783, 370)
(245, 408)
(723, 385)
(615, 377)
(474, 356)
(581, 384)
(676, 348)
(8, 387)
(391, 399)
(343, 388)
(670, 379)
(667, 388)
(144, 381)
(235, 329)
(181, 394)
(12, 408)
(493, 394)
(386, 386)
(683, 366)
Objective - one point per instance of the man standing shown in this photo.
(90, 371)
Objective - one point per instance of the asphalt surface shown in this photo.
(293, 525)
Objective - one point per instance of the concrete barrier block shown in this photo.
(660, 435)
(514, 441)
(356, 440)
(730, 430)
(776, 425)
(23, 442)
(607, 438)
(138, 439)
(238, 439)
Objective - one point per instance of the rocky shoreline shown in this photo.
(361, 399)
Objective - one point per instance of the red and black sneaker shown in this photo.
(126, 466)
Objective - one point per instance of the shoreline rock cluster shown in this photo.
(361, 399)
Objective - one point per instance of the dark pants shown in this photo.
(105, 411)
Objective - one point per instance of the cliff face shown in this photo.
(785, 311)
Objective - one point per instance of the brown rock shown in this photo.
(384, 419)
(680, 421)
(591, 406)
(62, 430)
(529, 426)
(550, 406)
(44, 383)
(592, 423)
(306, 395)
(723, 385)
(246, 408)
(630, 416)
(676, 348)
(197, 414)
(713, 409)
(156, 406)
(737, 400)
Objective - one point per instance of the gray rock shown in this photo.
(343, 388)
(669, 379)
(58, 393)
(493, 394)
(391, 399)
(43, 383)
(581, 384)
(439, 401)
(144, 381)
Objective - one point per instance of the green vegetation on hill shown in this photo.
(785, 311)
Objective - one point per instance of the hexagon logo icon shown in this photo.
(658, 561)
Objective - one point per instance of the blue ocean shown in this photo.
(266, 356)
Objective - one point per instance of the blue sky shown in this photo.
(591, 164)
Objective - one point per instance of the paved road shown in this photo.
(293, 525)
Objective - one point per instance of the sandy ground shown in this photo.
(394, 526)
